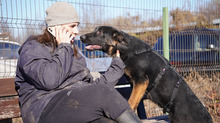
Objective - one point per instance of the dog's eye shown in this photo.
(98, 32)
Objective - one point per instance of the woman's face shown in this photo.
(72, 28)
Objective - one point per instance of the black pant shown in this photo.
(84, 104)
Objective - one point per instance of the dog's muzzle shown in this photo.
(82, 37)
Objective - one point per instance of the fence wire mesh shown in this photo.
(194, 32)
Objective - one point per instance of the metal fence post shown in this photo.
(165, 33)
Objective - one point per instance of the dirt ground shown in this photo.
(207, 89)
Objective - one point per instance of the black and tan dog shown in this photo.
(150, 74)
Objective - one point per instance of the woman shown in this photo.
(54, 84)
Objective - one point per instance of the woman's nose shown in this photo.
(76, 30)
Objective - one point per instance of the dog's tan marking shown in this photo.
(127, 72)
(137, 94)
(114, 42)
(138, 91)
(110, 50)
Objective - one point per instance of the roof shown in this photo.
(11, 42)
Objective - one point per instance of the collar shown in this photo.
(137, 52)
(140, 51)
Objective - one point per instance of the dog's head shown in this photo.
(105, 38)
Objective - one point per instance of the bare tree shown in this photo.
(92, 17)
(203, 17)
(182, 18)
(126, 22)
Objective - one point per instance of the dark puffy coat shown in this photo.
(41, 74)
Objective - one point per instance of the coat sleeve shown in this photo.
(43, 70)
(113, 74)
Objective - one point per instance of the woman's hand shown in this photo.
(117, 53)
(62, 35)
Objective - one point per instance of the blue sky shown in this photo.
(35, 9)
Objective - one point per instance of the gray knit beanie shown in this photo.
(61, 13)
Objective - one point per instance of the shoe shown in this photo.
(128, 116)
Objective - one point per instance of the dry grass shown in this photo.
(207, 89)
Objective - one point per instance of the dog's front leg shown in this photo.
(137, 94)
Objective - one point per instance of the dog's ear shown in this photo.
(120, 37)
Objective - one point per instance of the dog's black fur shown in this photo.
(143, 64)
